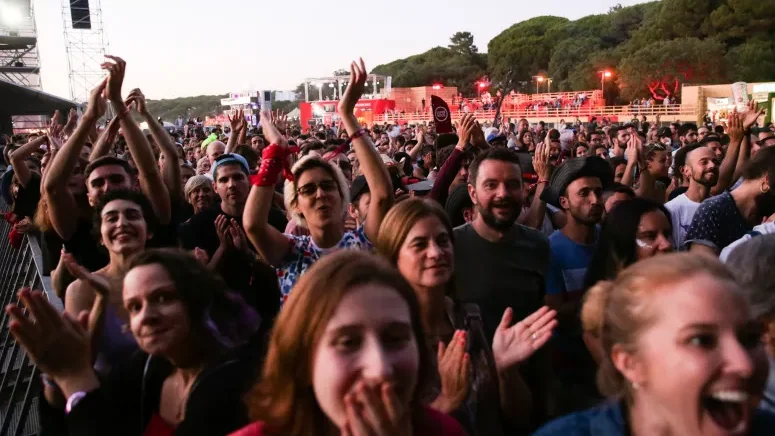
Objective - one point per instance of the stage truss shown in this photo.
(86, 48)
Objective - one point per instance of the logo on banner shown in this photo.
(442, 114)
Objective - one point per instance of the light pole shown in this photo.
(603, 75)
(539, 79)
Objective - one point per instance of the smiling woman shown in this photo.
(682, 354)
(124, 221)
(198, 348)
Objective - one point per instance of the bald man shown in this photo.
(215, 149)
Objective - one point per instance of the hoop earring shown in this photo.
(763, 190)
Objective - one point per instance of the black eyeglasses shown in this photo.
(311, 189)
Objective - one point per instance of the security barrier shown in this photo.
(19, 378)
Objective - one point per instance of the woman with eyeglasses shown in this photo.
(317, 194)
(633, 230)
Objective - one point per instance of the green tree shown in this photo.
(738, 20)
(661, 67)
(523, 49)
(753, 61)
(438, 65)
(686, 18)
(462, 43)
(571, 55)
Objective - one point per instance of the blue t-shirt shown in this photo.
(609, 419)
(568, 263)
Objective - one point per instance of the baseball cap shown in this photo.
(229, 158)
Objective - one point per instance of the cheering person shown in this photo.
(316, 193)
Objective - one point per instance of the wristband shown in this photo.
(274, 160)
(358, 134)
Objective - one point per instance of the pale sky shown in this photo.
(181, 48)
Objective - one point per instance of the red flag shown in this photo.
(442, 117)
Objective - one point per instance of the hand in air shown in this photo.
(516, 343)
(355, 88)
(116, 70)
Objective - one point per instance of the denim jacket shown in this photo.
(608, 420)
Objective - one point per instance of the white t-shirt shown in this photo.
(682, 211)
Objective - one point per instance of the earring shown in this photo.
(635, 386)
(763, 189)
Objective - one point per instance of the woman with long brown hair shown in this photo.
(476, 381)
(347, 355)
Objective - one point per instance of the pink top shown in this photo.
(433, 423)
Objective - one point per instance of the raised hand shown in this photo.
(72, 122)
(235, 121)
(54, 128)
(454, 365)
(58, 343)
(271, 133)
(116, 70)
(514, 344)
(477, 136)
(355, 88)
(280, 120)
(466, 130)
(541, 164)
(735, 127)
(372, 411)
(97, 104)
(753, 114)
(138, 98)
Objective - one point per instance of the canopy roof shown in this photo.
(19, 100)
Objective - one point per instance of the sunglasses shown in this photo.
(311, 189)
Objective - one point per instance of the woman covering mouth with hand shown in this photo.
(682, 354)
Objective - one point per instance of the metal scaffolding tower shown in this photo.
(19, 60)
(86, 45)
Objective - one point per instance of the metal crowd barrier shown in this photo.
(19, 378)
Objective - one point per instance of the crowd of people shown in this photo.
(588, 279)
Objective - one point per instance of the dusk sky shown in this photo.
(179, 48)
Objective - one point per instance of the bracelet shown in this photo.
(358, 134)
(542, 181)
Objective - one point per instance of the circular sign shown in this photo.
(441, 114)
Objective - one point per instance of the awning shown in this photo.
(18, 100)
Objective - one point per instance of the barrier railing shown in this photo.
(569, 114)
(19, 378)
